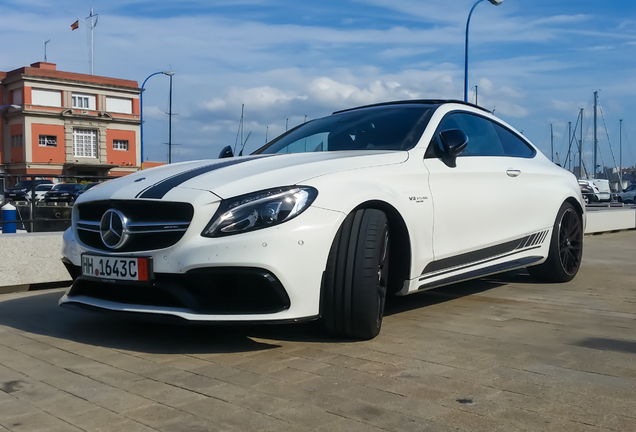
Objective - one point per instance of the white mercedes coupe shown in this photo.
(326, 220)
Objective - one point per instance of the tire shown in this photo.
(566, 248)
(355, 284)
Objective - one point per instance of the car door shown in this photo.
(485, 203)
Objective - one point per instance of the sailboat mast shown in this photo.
(620, 156)
(551, 143)
(595, 137)
(242, 122)
(569, 145)
(581, 146)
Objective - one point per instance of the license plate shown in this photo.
(118, 268)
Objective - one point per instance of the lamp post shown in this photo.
(496, 3)
(141, 110)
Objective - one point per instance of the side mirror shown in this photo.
(454, 142)
(226, 152)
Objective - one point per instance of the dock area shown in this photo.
(501, 353)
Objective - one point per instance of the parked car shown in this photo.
(601, 188)
(85, 188)
(327, 220)
(588, 192)
(40, 190)
(628, 194)
(19, 191)
(63, 192)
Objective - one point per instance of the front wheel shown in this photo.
(566, 248)
(355, 284)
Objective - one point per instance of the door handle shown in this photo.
(513, 172)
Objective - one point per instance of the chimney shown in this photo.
(44, 65)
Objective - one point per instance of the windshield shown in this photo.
(43, 187)
(22, 184)
(65, 187)
(389, 127)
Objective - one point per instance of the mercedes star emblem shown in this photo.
(113, 229)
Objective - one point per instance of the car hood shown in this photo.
(239, 175)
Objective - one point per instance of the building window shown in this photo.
(120, 145)
(119, 105)
(85, 143)
(83, 101)
(16, 140)
(17, 96)
(48, 141)
(49, 98)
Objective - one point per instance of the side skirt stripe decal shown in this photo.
(497, 251)
(160, 189)
(497, 268)
(423, 278)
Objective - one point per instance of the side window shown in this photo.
(512, 144)
(483, 139)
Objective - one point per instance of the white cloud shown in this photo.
(154, 112)
(562, 19)
(572, 107)
(257, 98)
(330, 92)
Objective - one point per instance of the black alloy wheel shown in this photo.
(570, 241)
(566, 248)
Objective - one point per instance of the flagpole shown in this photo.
(92, 46)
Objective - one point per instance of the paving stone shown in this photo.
(37, 422)
(158, 416)
(164, 393)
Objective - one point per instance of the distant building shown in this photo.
(68, 123)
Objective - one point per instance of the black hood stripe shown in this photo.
(160, 189)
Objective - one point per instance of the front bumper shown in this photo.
(273, 274)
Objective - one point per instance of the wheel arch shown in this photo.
(576, 204)
(400, 243)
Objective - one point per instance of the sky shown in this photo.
(534, 62)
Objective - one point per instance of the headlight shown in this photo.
(259, 210)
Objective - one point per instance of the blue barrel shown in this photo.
(8, 214)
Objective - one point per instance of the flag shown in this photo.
(75, 25)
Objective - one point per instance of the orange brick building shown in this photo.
(68, 123)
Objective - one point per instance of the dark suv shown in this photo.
(17, 192)
(63, 192)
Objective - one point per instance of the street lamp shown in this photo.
(496, 3)
(141, 109)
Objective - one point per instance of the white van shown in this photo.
(601, 187)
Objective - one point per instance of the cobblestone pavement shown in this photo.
(502, 353)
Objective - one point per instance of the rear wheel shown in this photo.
(354, 289)
(566, 248)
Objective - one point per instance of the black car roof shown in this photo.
(436, 102)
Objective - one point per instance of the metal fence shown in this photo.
(33, 212)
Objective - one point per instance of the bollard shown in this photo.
(8, 214)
